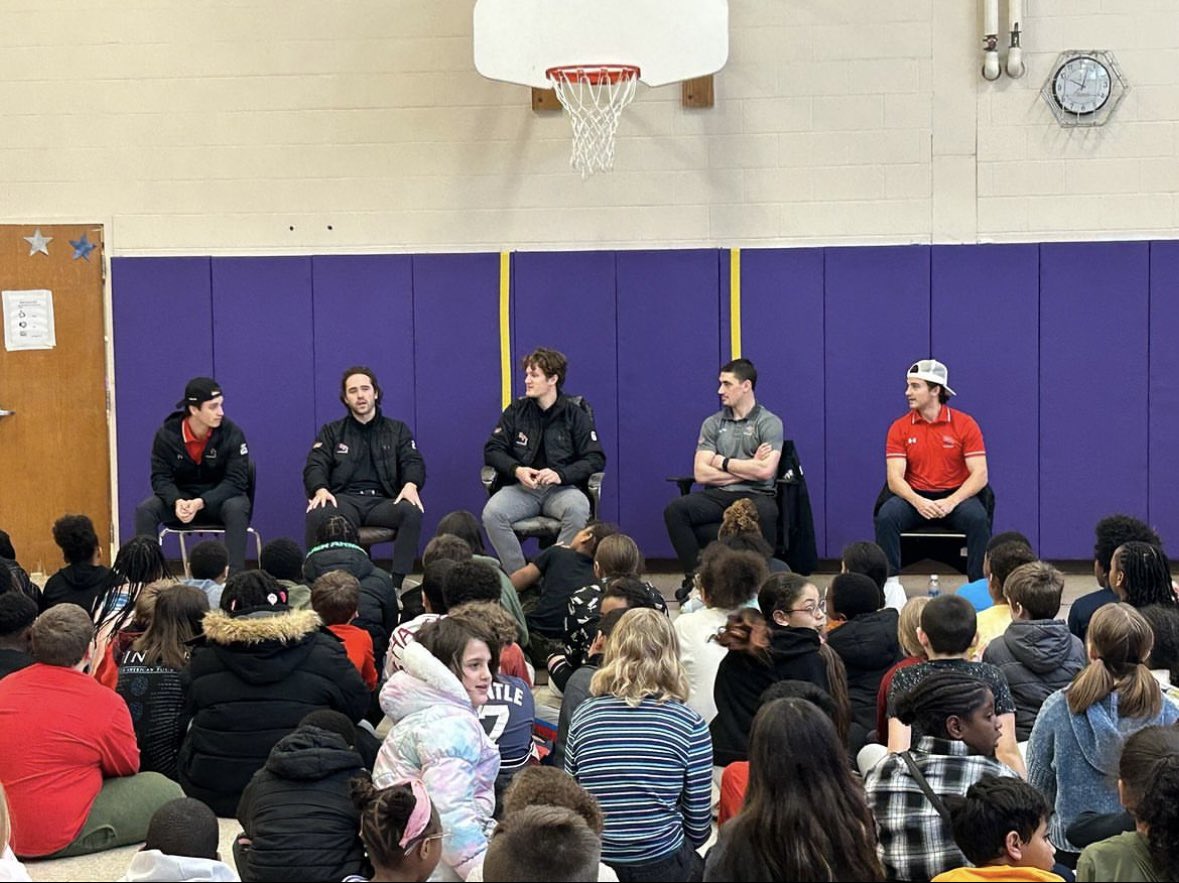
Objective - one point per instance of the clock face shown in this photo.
(1082, 85)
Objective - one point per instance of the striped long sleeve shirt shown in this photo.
(650, 767)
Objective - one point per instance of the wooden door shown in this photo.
(55, 443)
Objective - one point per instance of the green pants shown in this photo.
(121, 813)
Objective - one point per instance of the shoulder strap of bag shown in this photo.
(915, 771)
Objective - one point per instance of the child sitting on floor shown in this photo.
(181, 844)
(335, 596)
(1001, 826)
(400, 828)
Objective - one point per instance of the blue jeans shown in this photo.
(969, 517)
(516, 502)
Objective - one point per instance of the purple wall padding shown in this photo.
(457, 375)
(668, 355)
(263, 357)
(567, 301)
(985, 327)
(150, 372)
(876, 323)
(782, 333)
(1164, 390)
(363, 315)
(1094, 316)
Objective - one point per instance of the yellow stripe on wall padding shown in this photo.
(735, 301)
(505, 340)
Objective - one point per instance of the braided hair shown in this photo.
(940, 695)
(1147, 574)
(248, 589)
(337, 529)
(140, 561)
(384, 814)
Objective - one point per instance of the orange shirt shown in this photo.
(998, 873)
(358, 644)
(935, 453)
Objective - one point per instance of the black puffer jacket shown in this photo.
(1038, 657)
(297, 812)
(869, 647)
(377, 611)
(742, 678)
(257, 675)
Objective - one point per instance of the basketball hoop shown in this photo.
(595, 96)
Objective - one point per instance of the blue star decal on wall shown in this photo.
(82, 248)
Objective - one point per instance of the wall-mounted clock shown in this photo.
(1084, 87)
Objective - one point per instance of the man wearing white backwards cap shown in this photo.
(937, 464)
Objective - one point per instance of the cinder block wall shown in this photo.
(217, 127)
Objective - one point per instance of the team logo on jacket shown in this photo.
(244, 450)
(521, 439)
(593, 435)
(341, 448)
(210, 453)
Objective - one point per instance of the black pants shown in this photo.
(365, 511)
(969, 517)
(693, 520)
(233, 514)
(683, 865)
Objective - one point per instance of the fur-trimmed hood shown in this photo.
(262, 649)
(284, 626)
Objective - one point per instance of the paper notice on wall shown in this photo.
(28, 320)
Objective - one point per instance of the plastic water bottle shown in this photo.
(934, 588)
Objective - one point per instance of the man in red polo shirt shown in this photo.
(937, 464)
(200, 470)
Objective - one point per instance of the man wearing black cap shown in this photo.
(200, 470)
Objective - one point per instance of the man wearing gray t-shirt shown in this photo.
(736, 458)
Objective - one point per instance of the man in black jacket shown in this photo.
(367, 468)
(544, 449)
(200, 470)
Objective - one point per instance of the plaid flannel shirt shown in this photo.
(915, 842)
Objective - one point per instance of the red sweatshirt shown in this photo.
(61, 734)
(358, 644)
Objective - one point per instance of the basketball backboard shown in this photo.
(668, 40)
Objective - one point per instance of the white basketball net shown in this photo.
(594, 96)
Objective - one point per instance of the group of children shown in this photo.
(849, 735)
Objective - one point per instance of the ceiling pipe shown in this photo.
(991, 69)
(1015, 66)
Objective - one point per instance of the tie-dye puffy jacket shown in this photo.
(437, 735)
